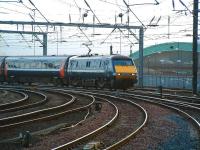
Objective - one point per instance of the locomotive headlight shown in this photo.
(118, 74)
(133, 74)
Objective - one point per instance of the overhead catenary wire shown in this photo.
(38, 10)
(174, 21)
(134, 14)
(25, 40)
(185, 6)
(155, 3)
(84, 34)
(4, 41)
(10, 1)
(125, 36)
(92, 10)
(108, 36)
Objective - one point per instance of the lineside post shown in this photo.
(194, 47)
(141, 36)
(44, 44)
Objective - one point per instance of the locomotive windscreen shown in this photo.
(123, 62)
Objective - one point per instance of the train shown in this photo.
(108, 71)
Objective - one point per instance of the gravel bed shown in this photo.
(58, 138)
(8, 96)
(130, 118)
(165, 129)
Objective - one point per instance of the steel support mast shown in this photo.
(44, 43)
(195, 47)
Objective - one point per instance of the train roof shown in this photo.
(37, 57)
(1, 59)
(101, 57)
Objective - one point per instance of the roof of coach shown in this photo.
(37, 58)
(1, 59)
(100, 57)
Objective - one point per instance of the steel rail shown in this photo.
(122, 141)
(44, 100)
(168, 105)
(164, 94)
(14, 103)
(178, 102)
(34, 113)
(192, 100)
(60, 114)
(51, 116)
(155, 101)
(95, 132)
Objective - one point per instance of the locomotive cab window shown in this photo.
(122, 63)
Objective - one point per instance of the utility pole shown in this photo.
(195, 46)
(141, 59)
(44, 42)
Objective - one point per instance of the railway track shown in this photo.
(172, 119)
(43, 123)
(18, 98)
(32, 100)
(186, 118)
(125, 123)
(180, 92)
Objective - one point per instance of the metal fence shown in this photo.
(169, 81)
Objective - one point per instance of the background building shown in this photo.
(169, 65)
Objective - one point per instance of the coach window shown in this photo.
(46, 65)
(106, 64)
(33, 65)
(38, 65)
(71, 64)
(9, 64)
(55, 65)
(21, 65)
(26, 65)
(77, 64)
(42, 64)
(12, 65)
(100, 64)
(88, 64)
(50, 65)
(17, 64)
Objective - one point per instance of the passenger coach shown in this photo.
(36, 69)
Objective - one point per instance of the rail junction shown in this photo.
(49, 117)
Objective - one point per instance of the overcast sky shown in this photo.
(164, 20)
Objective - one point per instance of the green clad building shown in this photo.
(168, 64)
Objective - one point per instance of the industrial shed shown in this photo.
(168, 64)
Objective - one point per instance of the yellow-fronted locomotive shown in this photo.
(113, 71)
